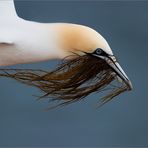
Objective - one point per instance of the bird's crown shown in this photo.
(76, 38)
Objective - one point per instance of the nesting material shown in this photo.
(72, 80)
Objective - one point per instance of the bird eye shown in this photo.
(98, 51)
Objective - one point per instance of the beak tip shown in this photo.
(130, 86)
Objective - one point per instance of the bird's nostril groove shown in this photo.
(113, 58)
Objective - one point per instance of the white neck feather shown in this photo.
(7, 9)
(27, 42)
(24, 41)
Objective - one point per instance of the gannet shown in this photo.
(89, 63)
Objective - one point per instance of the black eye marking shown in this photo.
(100, 52)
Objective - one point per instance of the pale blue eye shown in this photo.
(98, 51)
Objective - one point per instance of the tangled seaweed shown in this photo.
(71, 81)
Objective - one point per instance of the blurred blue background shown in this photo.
(121, 122)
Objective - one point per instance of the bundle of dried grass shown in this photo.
(71, 81)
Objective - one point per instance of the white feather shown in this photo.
(24, 41)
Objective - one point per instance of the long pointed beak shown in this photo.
(111, 60)
(119, 71)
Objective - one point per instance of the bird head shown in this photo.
(81, 40)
